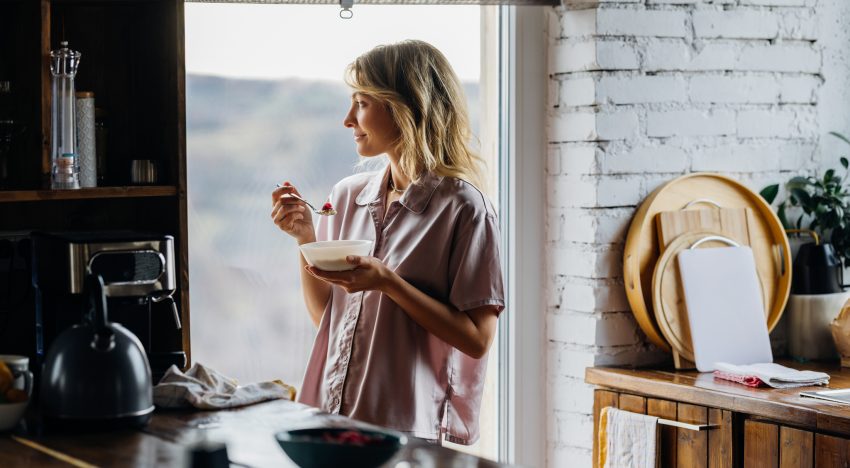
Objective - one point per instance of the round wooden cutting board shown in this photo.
(767, 239)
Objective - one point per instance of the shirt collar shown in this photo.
(415, 198)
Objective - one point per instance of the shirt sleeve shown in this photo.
(475, 273)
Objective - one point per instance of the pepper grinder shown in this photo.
(65, 170)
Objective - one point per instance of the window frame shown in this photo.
(522, 152)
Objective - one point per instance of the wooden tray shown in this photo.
(767, 239)
(668, 300)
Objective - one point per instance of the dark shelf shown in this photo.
(133, 61)
(86, 193)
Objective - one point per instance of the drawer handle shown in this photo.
(690, 427)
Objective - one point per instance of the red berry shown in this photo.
(327, 206)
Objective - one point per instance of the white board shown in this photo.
(725, 310)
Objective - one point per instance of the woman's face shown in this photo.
(374, 130)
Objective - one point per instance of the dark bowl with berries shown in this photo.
(334, 447)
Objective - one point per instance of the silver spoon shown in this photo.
(329, 212)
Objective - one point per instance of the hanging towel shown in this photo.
(205, 388)
(772, 374)
(627, 440)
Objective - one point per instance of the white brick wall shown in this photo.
(642, 91)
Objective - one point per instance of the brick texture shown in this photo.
(643, 91)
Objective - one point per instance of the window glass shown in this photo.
(265, 102)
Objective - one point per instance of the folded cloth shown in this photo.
(772, 374)
(206, 388)
(627, 439)
(748, 380)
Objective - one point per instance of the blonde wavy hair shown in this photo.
(427, 103)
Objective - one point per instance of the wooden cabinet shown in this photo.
(133, 62)
(768, 428)
(678, 447)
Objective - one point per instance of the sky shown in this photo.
(312, 41)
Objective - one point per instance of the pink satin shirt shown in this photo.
(370, 360)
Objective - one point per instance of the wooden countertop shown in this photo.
(165, 441)
(780, 405)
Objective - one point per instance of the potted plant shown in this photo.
(819, 206)
(823, 201)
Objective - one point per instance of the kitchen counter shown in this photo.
(247, 431)
(780, 405)
(750, 426)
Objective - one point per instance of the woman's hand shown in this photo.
(368, 274)
(291, 215)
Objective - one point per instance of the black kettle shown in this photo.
(96, 374)
(817, 270)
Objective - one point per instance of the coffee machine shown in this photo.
(138, 272)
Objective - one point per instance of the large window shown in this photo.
(265, 103)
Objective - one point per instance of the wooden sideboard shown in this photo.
(754, 427)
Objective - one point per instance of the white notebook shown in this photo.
(725, 309)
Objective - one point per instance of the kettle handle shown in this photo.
(104, 338)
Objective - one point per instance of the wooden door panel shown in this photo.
(761, 444)
(668, 438)
(831, 451)
(720, 445)
(632, 403)
(796, 448)
(692, 446)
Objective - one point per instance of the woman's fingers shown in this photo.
(282, 209)
(280, 190)
(294, 219)
(285, 215)
(284, 189)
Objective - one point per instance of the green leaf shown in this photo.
(800, 222)
(782, 218)
(840, 137)
(844, 162)
(827, 176)
(802, 196)
(769, 193)
(798, 181)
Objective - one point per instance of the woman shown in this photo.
(403, 337)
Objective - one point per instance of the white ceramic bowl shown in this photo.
(10, 414)
(330, 255)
